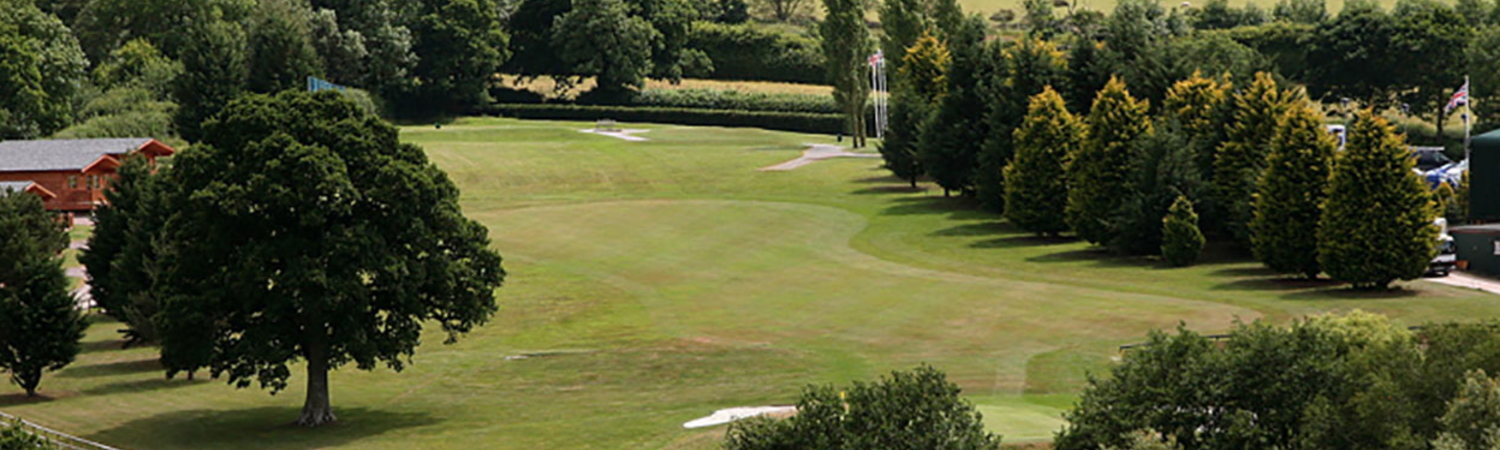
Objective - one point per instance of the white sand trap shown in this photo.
(724, 416)
(818, 152)
(619, 134)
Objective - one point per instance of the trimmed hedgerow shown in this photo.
(716, 99)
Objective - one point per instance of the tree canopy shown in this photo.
(307, 231)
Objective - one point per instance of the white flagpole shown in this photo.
(1468, 111)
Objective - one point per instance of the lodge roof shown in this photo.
(17, 186)
(62, 154)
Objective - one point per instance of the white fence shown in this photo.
(58, 438)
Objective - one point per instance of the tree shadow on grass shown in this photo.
(1100, 256)
(20, 398)
(148, 364)
(1347, 293)
(956, 207)
(1275, 282)
(890, 189)
(256, 428)
(101, 346)
(142, 385)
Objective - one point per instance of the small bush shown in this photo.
(1181, 240)
(800, 122)
(12, 437)
(919, 409)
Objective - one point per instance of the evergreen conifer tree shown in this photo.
(1035, 194)
(1289, 199)
(1099, 171)
(1181, 239)
(1242, 158)
(1028, 66)
(1376, 225)
(39, 323)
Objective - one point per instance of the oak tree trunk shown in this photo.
(28, 380)
(318, 409)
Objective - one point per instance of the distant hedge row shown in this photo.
(719, 99)
(748, 52)
(785, 121)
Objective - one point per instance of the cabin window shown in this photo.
(72, 182)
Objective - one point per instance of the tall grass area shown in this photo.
(654, 282)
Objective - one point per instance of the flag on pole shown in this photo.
(1460, 97)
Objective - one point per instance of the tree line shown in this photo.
(1227, 154)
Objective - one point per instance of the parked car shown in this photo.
(1451, 173)
(1447, 257)
(1429, 158)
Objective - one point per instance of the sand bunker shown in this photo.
(618, 134)
(727, 415)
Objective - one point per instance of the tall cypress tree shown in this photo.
(948, 145)
(1035, 196)
(1376, 225)
(1029, 66)
(1242, 158)
(1098, 172)
(1289, 200)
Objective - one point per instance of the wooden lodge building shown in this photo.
(71, 175)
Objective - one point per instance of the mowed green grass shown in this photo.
(654, 282)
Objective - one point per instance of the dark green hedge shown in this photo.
(714, 99)
(786, 121)
(752, 52)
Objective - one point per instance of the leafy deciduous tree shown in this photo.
(846, 44)
(601, 38)
(306, 230)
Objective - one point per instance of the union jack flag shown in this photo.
(1461, 97)
(877, 58)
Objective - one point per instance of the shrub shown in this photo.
(1376, 226)
(715, 99)
(919, 409)
(801, 122)
(13, 437)
(1181, 240)
(751, 52)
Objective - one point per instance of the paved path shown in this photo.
(818, 152)
(619, 134)
(1462, 279)
(82, 294)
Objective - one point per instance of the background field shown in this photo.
(653, 282)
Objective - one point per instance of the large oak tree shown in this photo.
(304, 230)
